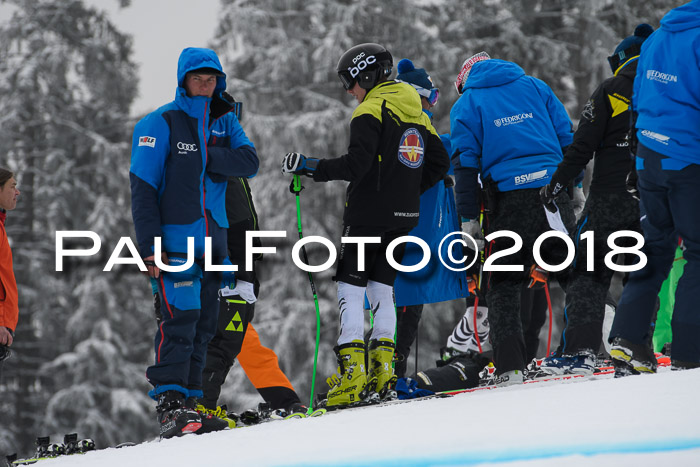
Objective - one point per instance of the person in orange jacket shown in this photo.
(9, 309)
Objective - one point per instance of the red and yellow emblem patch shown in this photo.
(411, 148)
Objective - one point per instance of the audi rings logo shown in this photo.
(184, 148)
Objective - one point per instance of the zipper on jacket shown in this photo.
(204, 181)
(250, 205)
(379, 171)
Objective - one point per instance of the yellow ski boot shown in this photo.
(219, 412)
(349, 385)
(382, 379)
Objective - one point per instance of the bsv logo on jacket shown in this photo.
(661, 77)
(184, 148)
(411, 148)
(149, 141)
(531, 177)
(658, 137)
(513, 119)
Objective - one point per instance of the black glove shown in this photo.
(299, 164)
(547, 198)
(5, 352)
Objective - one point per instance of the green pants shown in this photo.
(667, 298)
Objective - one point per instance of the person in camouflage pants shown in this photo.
(602, 134)
(519, 211)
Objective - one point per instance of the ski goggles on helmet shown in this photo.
(432, 95)
(347, 80)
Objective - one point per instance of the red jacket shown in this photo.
(8, 285)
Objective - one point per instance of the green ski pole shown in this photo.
(296, 188)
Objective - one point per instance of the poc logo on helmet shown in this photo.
(184, 148)
(360, 64)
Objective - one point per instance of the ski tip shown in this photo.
(295, 415)
(317, 413)
(125, 445)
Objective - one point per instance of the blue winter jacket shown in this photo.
(435, 282)
(667, 87)
(438, 218)
(181, 157)
(509, 126)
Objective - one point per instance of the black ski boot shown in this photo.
(174, 417)
(297, 408)
(631, 359)
(210, 422)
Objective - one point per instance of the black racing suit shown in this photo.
(394, 155)
(602, 135)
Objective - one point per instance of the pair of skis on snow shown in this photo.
(45, 449)
(602, 371)
(71, 445)
(264, 414)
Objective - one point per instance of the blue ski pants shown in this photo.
(670, 193)
(189, 306)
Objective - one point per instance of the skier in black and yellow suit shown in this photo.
(394, 155)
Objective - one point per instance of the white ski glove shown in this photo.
(244, 289)
(579, 200)
(299, 164)
(473, 229)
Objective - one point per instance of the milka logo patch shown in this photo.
(147, 141)
(663, 139)
(411, 148)
(661, 77)
(513, 119)
(531, 177)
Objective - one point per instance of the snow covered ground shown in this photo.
(636, 421)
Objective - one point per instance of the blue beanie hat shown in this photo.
(408, 73)
(630, 46)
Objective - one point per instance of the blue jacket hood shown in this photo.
(193, 58)
(493, 72)
(684, 17)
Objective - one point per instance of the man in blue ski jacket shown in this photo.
(666, 116)
(182, 155)
(510, 128)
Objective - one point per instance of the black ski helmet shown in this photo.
(365, 63)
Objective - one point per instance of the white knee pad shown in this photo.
(381, 299)
(351, 301)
